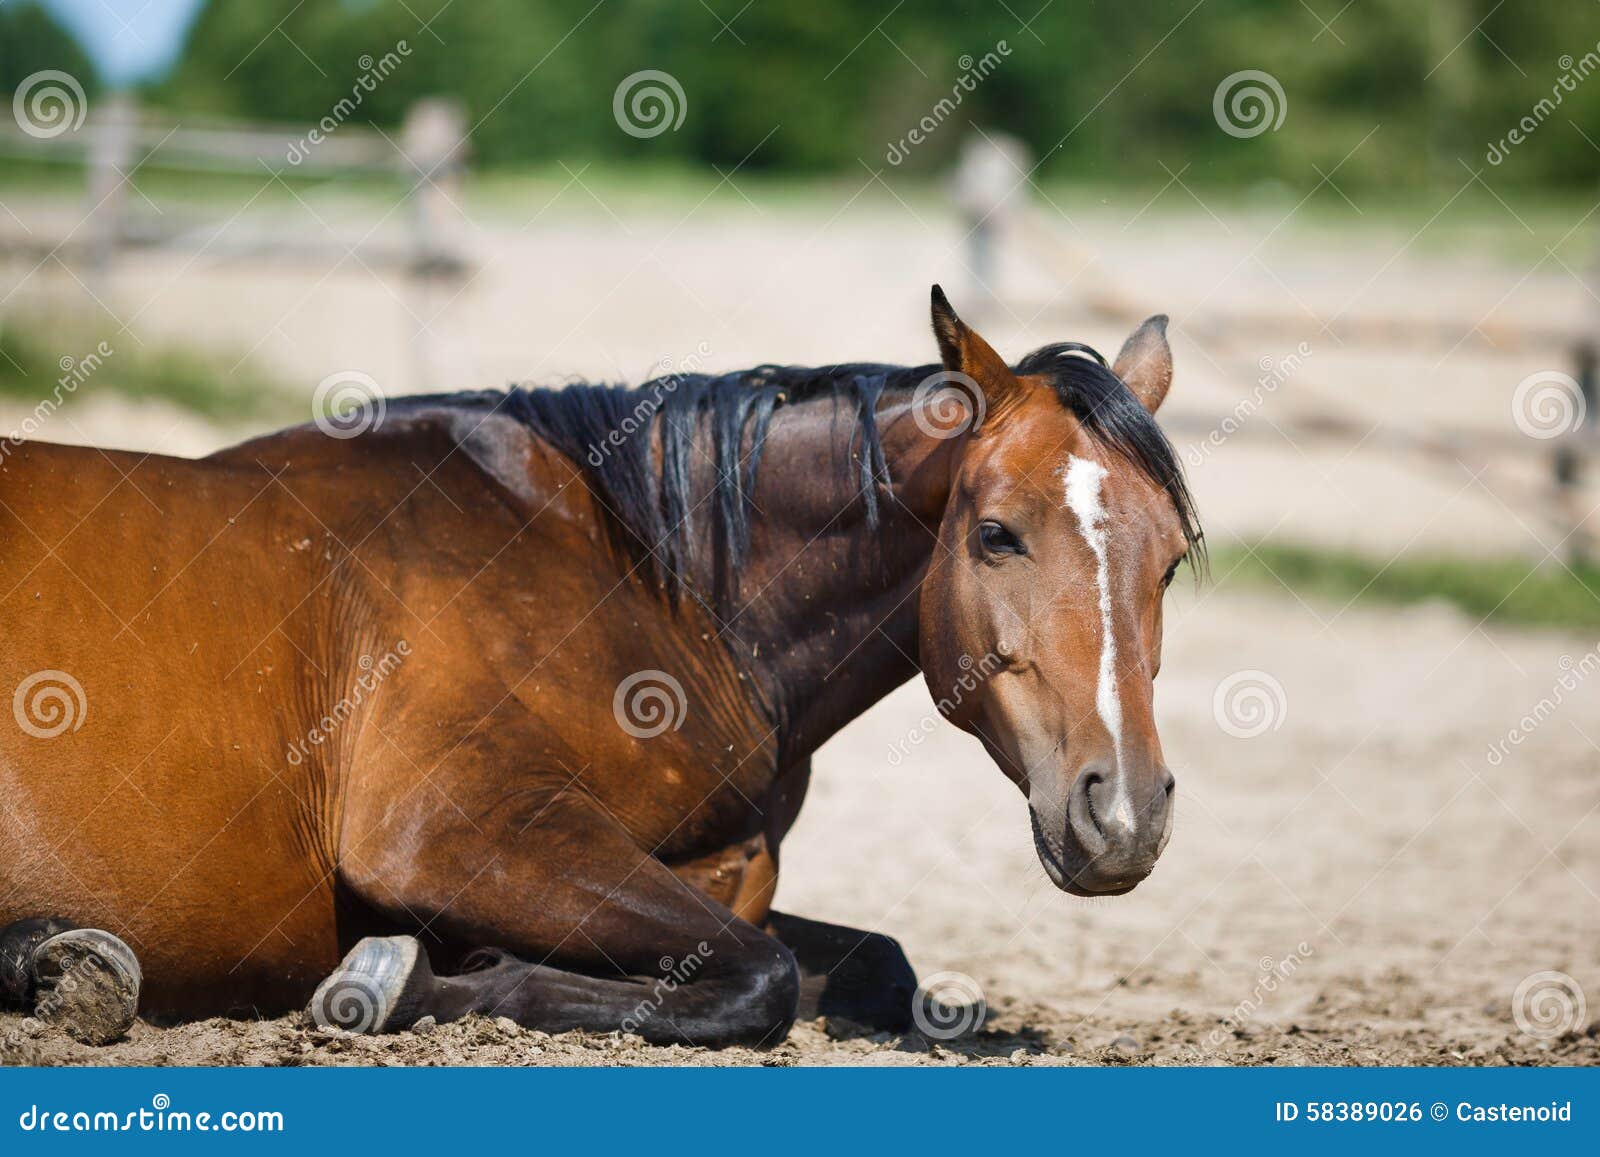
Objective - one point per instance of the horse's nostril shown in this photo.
(1092, 780)
(1089, 798)
(1166, 784)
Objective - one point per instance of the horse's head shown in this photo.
(1041, 614)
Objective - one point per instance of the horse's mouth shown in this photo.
(1064, 878)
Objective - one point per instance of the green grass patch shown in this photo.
(1504, 590)
(39, 363)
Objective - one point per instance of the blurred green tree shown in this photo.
(1392, 93)
(31, 40)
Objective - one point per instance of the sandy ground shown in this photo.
(1362, 882)
(1358, 885)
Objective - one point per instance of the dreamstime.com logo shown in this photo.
(972, 674)
(947, 404)
(1547, 1005)
(1249, 103)
(673, 974)
(1548, 404)
(973, 73)
(649, 703)
(75, 371)
(49, 703)
(347, 404)
(1573, 73)
(373, 73)
(653, 395)
(1270, 976)
(1249, 703)
(373, 673)
(648, 103)
(49, 103)
(56, 1003)
(1274, 373)
(1572, 673)
(160, 1117)
(948, 1005)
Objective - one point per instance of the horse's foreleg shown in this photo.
(605, 937)
(83, 980)
(845, 972)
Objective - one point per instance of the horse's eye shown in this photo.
(1172, 573)
(996, 539)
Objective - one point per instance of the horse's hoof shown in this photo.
(372, 990)
(87, 984)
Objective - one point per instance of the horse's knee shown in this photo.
(763, 995)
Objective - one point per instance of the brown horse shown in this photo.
(510, 700)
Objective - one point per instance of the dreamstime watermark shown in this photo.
(1573, 73)
(49, 703)
(648, 103)
(973, 73)
(947, 404)
(673, 974)
(1547, 1005)
(652, 396)
(1572, 673)
(649, 703)
(160, 1117)
(49, 103)
(75, 371)
(1548, 404)
(347, 404)
(1249, 703)
(53, 1007)
(972, 674)
(50, 1005)
(1248, 103)
(351, 1002)
(947, 1005)
(1274, 373)
(1270, 975)
(373, 673)
(373, 73)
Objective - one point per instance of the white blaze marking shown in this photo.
(1084, 478)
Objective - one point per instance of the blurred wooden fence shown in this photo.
(426, 160)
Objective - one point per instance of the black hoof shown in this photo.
(87, 984)
(376, 988)
(874, 987)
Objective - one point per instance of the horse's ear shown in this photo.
(963, 351)
(1145, 363)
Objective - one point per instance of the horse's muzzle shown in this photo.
(1111, 833)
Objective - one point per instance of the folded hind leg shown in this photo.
(82, 980)
(629, 945)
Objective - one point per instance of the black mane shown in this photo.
(638, 447)
(1116, 419)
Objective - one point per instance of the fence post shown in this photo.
(110, 160)
(989, 190)
(434, 141)
(1572, 454)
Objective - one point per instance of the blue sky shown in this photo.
(128, 39)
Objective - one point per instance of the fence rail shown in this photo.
(426, 159)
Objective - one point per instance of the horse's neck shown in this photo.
(829, 602)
